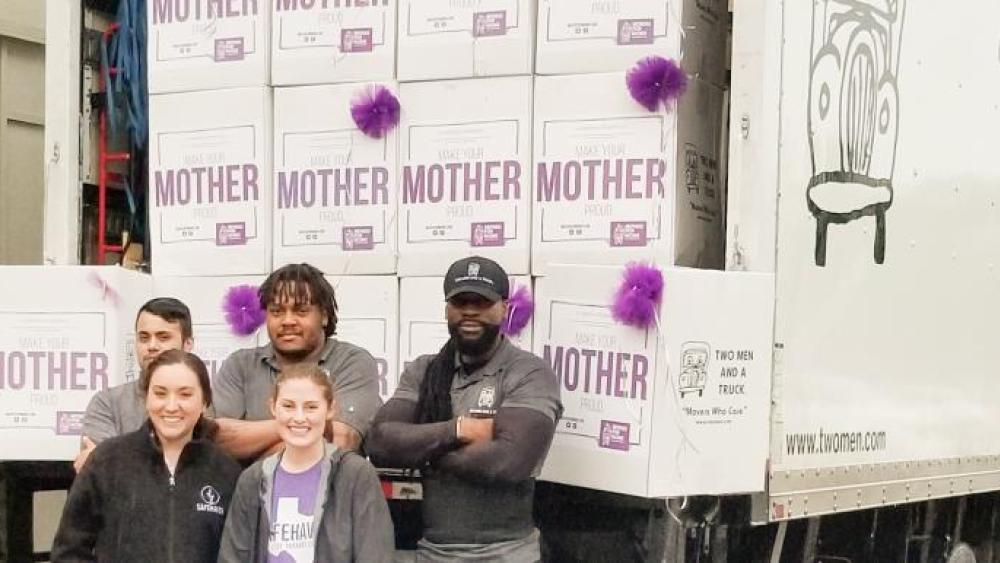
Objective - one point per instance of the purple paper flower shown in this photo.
(375, 111)
(520, 307)
(639, 295)
(656, 80)
(243, 311)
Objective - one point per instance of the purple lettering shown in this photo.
(613, 178)
(250, 176)
(15, 370)
(633, 190)
(76, 359)
(605, 373)
(656, 169)
(341, 186)
(414, 186)
(380, 185)
(633, 178)
(473, 185)
(621, 373)
(163, 11)
(571, 180)
(58, 368)
(359, 185)
(435, 186)
(591, 174)
(512, 179)
(36, 368)
(288, 189)
(164, 188)
(549, 174)
(40, 370)
(640, 367)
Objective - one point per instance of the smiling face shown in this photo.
(174, 402)
(302, 412)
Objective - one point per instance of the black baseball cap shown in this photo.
(477, 275)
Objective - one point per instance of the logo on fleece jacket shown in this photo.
(210, 499)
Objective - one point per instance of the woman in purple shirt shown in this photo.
(311, 501)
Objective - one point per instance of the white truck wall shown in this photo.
(883, 368)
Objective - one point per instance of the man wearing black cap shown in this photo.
(477, 419)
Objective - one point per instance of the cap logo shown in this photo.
(473, 270)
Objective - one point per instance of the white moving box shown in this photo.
(66, 332)
(368, 317)
(577, 37)
(465, 186)
(603, 191)
(207, 44)
(422, 326)
(320, 42)
(649, 413)
(334, 187)
(214, 340)
(448, 39)
(210, 182)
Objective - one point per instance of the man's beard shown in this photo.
(478, 346)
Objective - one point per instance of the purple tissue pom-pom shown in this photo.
(375, 111)
(639, 295)
(243, 311)
(656, 80)
(520, 307)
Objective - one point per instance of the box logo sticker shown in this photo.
(229, 49)
(628, 233)
(489, 24)
(230, 234)
(358, 238)
(635, 32)
(614, 435)
(69, 423)
(487, 234)
(356, 40)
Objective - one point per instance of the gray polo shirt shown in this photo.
(511, 378)
(242, 387)
(114, 411)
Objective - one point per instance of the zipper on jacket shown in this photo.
(170, 517)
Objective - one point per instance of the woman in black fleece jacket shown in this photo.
(160, 493)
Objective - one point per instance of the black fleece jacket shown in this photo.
(125, 506)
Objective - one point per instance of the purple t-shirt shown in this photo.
(292, 537)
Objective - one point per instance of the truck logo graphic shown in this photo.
(853, 115)
(694, 368)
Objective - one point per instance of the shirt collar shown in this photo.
(493, 365)
(266, 355)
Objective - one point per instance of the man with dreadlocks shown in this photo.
(301, 321)
(477, 419)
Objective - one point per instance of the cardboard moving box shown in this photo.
(679, 408)
(210, 182)
(327, 42)
(335, 188)
(448, 39)
(465, 186)
(207, 44)
(614, 182)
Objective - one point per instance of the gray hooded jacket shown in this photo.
(353, 524)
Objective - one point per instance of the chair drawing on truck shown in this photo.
(694, 368)
(853, 114)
